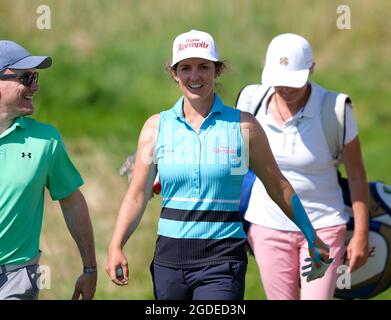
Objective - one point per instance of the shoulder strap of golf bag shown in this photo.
(250, 98)
(333, 122)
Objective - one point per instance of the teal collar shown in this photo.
(177, 109)
(18, 122)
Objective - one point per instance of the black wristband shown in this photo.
(89, 270)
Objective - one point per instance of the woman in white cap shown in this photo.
(198, 146)
(290, 114)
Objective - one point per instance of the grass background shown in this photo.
(108, 77)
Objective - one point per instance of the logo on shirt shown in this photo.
(168, 150)
(224, 150)
(26, 154)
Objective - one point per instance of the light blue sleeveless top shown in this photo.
(201, 174)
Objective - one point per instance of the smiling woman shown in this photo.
(197, 213)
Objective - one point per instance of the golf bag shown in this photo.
(375, 276)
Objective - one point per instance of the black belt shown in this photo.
(12, 267)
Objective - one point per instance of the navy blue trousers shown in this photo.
(224, 281)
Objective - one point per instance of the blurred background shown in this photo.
(108, 77)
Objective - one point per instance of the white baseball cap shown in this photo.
(288, 61)
(194, 44)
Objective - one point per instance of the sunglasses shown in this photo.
(26, 78)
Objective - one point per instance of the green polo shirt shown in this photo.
(32, 156)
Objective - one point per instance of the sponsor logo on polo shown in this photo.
(224, 149)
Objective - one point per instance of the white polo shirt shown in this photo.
(302, 153)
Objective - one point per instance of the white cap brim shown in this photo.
(195, 55)
(281, 78)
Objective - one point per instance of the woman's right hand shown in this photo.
(117, 267)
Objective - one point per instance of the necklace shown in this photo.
(281, 119)
(290, 110)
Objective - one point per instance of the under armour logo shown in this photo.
(24, 154)
(284, 61)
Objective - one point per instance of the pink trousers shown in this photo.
(280, 256)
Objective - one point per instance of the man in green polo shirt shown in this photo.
(32, 157)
